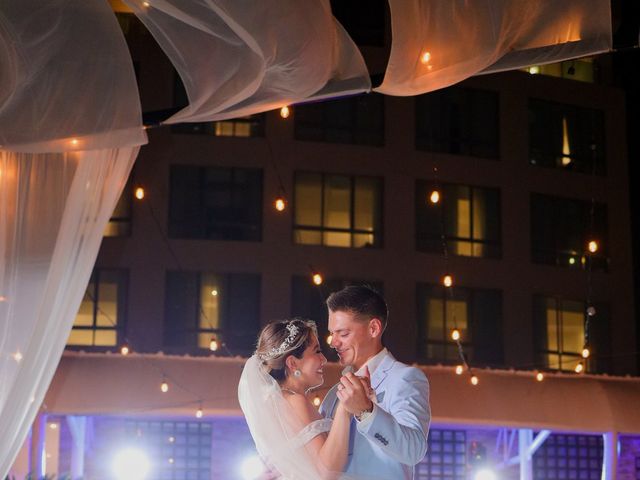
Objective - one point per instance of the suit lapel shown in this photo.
(383, 369)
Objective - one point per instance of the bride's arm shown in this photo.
(330, 448)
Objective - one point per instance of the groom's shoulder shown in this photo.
(408, 372)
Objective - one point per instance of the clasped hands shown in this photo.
(355, 393)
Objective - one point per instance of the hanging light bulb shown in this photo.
(213, 344)
(434, 197)
(425, 57)
(317, 279)
(447, 280)
(586, 352)
(579, 368)
(539, 376)
(459, 370)
(214, 292)
(329, 339)
(455, 334)
(74, 142)
(139, 193)
(164, 386)
(591, 311)
(199, 412)
(593, 246)
(316, 401)
(285, 112)
(474, 380)
(280, 204)
(124, 349)
(17, 356)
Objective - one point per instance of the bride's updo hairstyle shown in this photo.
(282, 338)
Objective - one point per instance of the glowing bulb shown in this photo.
(139, 193)
(172, 439)
(539, 376)
(593, 246)
(572, 261)
(474, 380)
(534, 70)
(213, 344)
(285, 112)
(53, 426)
(329, 339)
(17, 356)
(434, 197)
(214, 293)
(585, 352)
(199, 412)
(591, 311)
(425, 57)
(171, 460)
(317, 279)
(579, 368)
(459, 370)
(164, 386)
(447, 280)
(124, 349)
(146, 4)
(132, 464)
(74, 142)
(280, 204)
(316, 401)
(455, 334)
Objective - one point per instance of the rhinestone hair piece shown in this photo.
(285, 345)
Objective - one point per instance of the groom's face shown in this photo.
(350, 338)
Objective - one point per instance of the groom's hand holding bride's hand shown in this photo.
(355, 393)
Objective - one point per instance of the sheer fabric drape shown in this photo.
(240, 57)
(439, 43)
(70, 130)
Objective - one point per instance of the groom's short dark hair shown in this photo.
(362, 300)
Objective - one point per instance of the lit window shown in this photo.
(337, 210)
(469, 215)
(582, 69)
(100, 317)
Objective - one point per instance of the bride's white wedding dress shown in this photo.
(280, 437)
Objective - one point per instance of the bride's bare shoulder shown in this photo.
(302, 407)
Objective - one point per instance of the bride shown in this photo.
(290, 435)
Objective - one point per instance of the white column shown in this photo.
(77, 426)
(610, 460)
(525, 439)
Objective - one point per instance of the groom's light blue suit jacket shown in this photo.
(388, 445)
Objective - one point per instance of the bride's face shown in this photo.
(312, 364)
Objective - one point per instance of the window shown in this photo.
(559, 334)
(566, 137)
(364, 20)
(337, 210)
(201, 305)
(100, 319)
(569, 457)
(477, 313)
(468, 216)
(308, 301)
(446, 457)
(358, 120)
(561, 230)
(120, 222)
(215, 203)
(460, 121)
(581, 69)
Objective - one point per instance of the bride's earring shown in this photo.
(297, 373)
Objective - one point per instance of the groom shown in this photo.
(389, 400)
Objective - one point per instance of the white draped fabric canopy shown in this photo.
(70, 120)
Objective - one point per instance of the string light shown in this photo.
(579, 368)
(425, 57)
(591, 311)
(139, 193)
(447, 280)
(53, 426)
(434, 197)
(593, 246)
(317, 279)
(124, 349)
(539, 376)
(146, 4)
(586, 352)
(316, 401)
(280, 204)
(164, 386)
(74, 142)
(455, 334)
(199, 412)
(329, 339)
(474, 380)
(214, 292)
(213, 344)
(285, 112)
(17, 356)
(459, 370)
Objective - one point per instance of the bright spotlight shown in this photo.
(131, 464)
(252, 468)
(485, 474)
